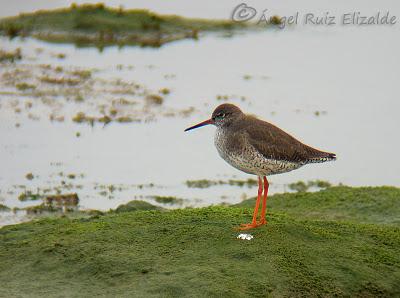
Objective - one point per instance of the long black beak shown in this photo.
(209, 121)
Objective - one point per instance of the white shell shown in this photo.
(245, 236)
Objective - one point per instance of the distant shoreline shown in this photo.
(100, 26)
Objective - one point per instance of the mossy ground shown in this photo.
(375, 205)
(96, 24)
(195, 253)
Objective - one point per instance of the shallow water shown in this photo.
(347, 74)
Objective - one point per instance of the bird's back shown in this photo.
(259, 147)
(274, 143)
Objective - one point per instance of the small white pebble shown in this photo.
(245, 236)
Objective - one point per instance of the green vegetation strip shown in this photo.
(375, 205)
(195, 253)
(96, 24)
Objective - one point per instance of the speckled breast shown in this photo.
(248, 159)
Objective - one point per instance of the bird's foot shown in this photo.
(262, 222)
(249, 226)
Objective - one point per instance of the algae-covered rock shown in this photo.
(96, 24)
(136, 205)
(196, 253)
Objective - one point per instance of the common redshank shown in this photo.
(259, 148)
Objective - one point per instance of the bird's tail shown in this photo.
(322, 157)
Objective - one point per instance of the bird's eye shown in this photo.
(219, 116)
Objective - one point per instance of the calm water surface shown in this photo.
(349, 75)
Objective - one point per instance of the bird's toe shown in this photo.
(249, 226)
(262, 222)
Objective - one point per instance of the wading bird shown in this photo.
(259, 148)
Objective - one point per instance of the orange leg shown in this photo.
(253, 223)
(263, 219)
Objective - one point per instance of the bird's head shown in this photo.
(222, 116)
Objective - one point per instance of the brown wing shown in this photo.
(273, 143)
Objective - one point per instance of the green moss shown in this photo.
(40, 209)
(4, 208)
(24, 86)
(29, 196)
(195, 253)
(203, 183)
(319, 184)
(81, 117)
(136, 205)
(104, 119)
(90, 24)
(94, 213)
(249, 182)
(165, 91)
(301, 186)
(168, 200)
(379, 205)
(305, 250)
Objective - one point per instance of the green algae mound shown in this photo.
(196, 253)
(375, 205)
(136, 205)
(99, 25)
